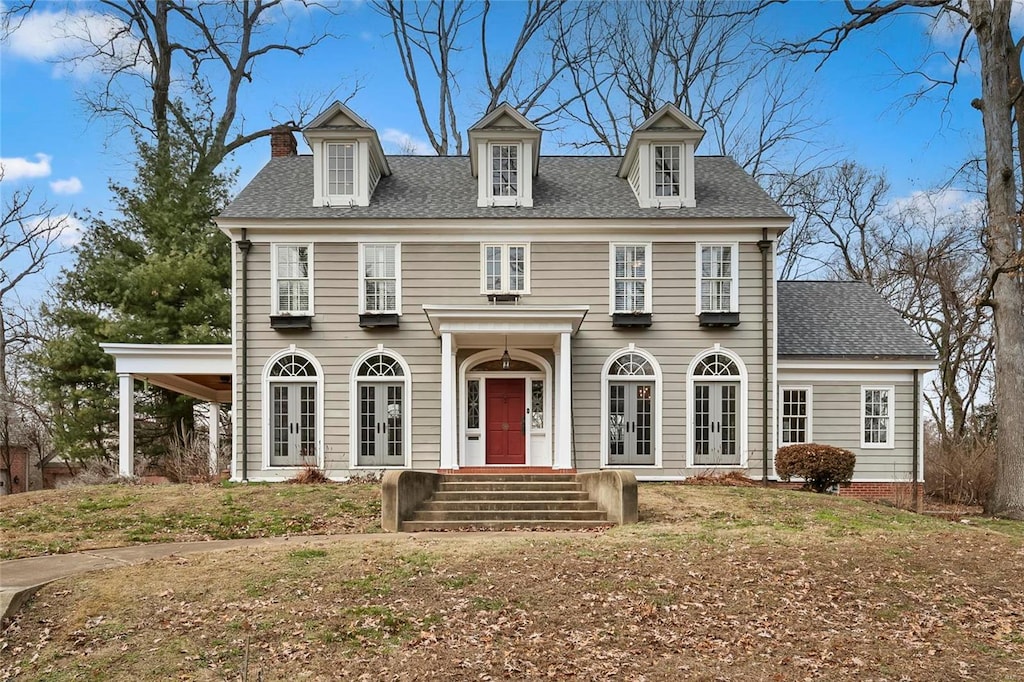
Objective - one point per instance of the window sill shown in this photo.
(291, 322)
(719, 319)
(378, 320)
(642, 320)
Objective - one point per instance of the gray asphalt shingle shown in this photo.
(426, 187)
(843, 319)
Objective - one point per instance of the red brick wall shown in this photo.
(880, 491)
(19, 456)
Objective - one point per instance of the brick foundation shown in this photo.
(896, 492)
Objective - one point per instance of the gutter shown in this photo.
(765, 246)
(243, 246)
(917, 440)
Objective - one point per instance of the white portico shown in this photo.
(200, 371)
(505, 404)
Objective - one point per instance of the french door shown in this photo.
(631, 422)
(293, 424)
(381, 424)
(716, 423)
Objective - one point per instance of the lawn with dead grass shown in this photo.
(95, 517)
(713, 584)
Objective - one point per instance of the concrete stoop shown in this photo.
(507, 501)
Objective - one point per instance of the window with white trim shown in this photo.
(794, 415)
(631, 278)
(505, 170)
(341, 169)
(717, 278)
(631, 409)
(381, 390)
(667, 159)
(876, 417)
(380, 281)
(292, 394)
(293, 279)
(505, 268)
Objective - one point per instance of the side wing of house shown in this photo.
(850, 375)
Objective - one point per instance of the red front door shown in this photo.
(506, 421)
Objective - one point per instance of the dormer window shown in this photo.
(504, 171)
(341, 169)
(666, 170)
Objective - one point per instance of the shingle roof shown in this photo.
(427, 187)
(843, 319)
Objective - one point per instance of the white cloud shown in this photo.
(67, 228)
(18, 168)
(404, 143)
(948, 28)
(938, 205)
(72, 38)
(70, 186)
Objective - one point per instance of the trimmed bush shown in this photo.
(821, 466)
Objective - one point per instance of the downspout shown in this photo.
(765, 246)
(243, 246)
(917, 438)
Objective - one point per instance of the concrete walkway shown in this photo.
(20, 578)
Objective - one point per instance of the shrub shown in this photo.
(821, 466)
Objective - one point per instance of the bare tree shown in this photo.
(986, 34)
(433, 37)
(30, 235)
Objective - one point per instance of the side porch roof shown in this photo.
(199, 371)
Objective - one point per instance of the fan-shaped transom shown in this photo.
(716, 365)
(631, 365)
(381, 365)
(293, 366)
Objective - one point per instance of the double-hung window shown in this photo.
(293, 279)
(631, 278)
(380, 281)
(717, 278)
(504, 170)
(341, 169)
(876, 416)
(505, 268)
(794, 415)
(666, 170)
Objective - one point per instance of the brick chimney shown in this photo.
(282, 142)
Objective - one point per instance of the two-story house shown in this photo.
(565, 312)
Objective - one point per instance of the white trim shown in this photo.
(275, 299)
(325, 197)
(465, 373)
(850, 377)
(449, 457)
(648, 275)
(562, 423)
(890, 431)
(809, 430)
(353, 407)
(655, 201)
(744, 390)
(536, 319)
(126, 424)
(734, 287)
(265, 399)
(854, 365)
(361, 275)
(773, 265)
(505, 269)
(658, 406)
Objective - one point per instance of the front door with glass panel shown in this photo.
(294, 424)
(716, 423)
(506, 421)
(381, 424)
(630, 423)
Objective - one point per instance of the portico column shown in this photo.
(126, 425)
(563, 415)
(448, 455)
(213, 418)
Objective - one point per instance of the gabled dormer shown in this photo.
(504, 151)
(348, 160)
(659, 159)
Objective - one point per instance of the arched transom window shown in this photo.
(716, 365)
(631, 365)
(631, 408)
(292, 395)
(293, 366)
(381, 365)
(380, 410)
(716, 398)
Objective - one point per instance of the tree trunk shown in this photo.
(991, 22)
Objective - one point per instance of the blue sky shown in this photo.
(49, 143)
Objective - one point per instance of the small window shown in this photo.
(537, 404)
(341, 169)
(505, 170)
(473, 404)
(380, 282)
(293, 279)
(876, 417)
(794, 416)
(717, 278)
(631, 278)
(505, 269)
(666, 170)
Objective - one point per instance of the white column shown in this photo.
(126, 426)
(563, 414)
(448, 434)
(213, 418)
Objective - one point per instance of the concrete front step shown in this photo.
(510, 514)
(563, 524)
(510, 478)
(509, 495)
(508, 505)
(567, 486)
